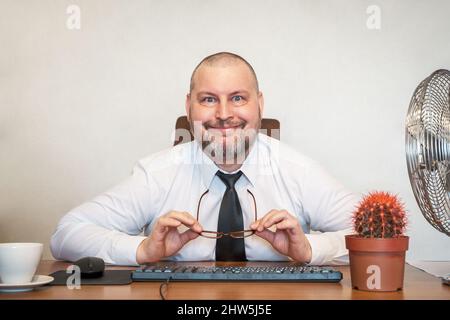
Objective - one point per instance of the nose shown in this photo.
(224, 110)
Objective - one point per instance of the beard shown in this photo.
(225, 148)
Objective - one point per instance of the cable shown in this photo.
(164, 284)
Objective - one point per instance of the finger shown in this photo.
(162, 227)
(172, 222)
(265, 218)
(163, 223)
(291, 226)
(186, 219)
(183, 217)
(255, 224)
(266, 235)
(169, 222)
(279, 217)
(276, 218)
(268, 217)
(187, 236)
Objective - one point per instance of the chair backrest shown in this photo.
(270, 127)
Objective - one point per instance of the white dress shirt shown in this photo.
(112, 225)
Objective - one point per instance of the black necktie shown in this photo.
(230, 219)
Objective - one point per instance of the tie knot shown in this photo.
(229, 179)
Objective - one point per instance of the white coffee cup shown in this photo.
(19, 261)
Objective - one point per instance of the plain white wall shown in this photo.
(78, 108)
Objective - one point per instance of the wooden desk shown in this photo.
(418, 285)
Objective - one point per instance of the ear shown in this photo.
(188, 105)
(261, 103)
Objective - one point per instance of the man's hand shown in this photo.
(165, 239)
(288, 239)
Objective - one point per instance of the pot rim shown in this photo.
(355, 236)
(354, 242)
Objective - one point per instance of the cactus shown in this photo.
(379, 215)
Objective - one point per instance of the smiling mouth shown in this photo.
(225, 131)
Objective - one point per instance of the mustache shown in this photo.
(217, 124)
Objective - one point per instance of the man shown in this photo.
(231, 194)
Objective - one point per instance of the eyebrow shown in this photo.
(213, 94)
(205, 93)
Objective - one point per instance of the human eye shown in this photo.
(238, 100)
(208, 100)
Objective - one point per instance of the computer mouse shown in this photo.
(90, 267)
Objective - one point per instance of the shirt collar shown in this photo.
(206, 166)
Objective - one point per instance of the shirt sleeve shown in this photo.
(329, 206)
(109, 226)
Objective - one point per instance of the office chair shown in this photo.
(270, 127)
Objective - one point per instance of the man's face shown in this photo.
(224, 110)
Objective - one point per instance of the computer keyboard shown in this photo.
(236, 273)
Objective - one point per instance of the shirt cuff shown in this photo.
(125, 249)
(323, 250)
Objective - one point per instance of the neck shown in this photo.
(233, 166)
(229, 167)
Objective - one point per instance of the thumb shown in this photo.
(187, 236)
(266, 234)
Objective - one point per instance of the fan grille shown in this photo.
(428, 148)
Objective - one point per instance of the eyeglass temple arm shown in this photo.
(204, 193)
(254, 202)
(200, 201)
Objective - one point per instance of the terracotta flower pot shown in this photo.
(377, 264)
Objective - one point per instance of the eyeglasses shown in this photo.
(233, 234)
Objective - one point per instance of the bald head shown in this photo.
(223, 59)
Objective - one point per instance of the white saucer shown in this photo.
(38, 280)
